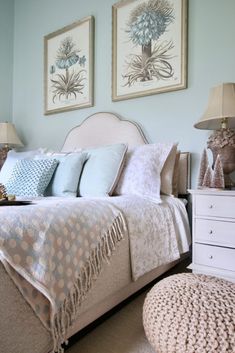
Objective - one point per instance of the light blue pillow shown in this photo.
(66, 177)
(31, 177)
(12, 158)
(102, 170)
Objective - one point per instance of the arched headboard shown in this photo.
(103, 129)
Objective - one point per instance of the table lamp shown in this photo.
(8, 138)
(220, 116)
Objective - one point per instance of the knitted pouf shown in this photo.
(189, 313)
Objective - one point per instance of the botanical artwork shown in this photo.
(69, 67)
(149, 40)
(70, 82)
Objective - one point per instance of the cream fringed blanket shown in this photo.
(55, 250)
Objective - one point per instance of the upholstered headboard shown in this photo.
(103, 129)
(107, 128)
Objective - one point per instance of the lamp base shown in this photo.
(3, 155)
(229, 183)
(222, 142)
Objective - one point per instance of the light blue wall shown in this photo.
(167, 116)
(6, 58)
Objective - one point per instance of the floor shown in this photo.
(123, 331)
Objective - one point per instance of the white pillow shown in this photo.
(141, 175)
(167, 172)
(12, 158)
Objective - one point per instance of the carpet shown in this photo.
(122, 332)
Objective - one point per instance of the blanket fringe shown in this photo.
(90, 271)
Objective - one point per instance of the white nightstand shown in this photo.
(214, 233)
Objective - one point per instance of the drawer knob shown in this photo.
(211, 206)
(210, 257)
(211, 231)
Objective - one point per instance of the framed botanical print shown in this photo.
(69, 67)
(149, 47)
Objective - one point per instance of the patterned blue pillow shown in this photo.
(31, 177)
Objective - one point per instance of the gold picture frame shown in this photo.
(69, 67)
(149, 47)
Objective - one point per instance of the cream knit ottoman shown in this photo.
(189, 313)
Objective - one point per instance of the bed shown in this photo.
(21, 330)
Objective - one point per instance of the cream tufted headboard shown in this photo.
(107, 128)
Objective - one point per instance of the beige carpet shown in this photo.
(121, 333)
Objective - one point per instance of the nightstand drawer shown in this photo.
(214, 232)
(214, 256)
(215, 206)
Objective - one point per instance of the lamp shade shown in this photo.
(8, 135)
(221, 105)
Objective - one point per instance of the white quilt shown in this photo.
(158, 233)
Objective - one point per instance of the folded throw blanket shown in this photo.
(58, 248)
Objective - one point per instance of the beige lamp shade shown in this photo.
(221, 105)
(8, 135)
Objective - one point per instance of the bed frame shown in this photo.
(107, 128)
(21, 331)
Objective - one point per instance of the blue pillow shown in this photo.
(66, 177)
(31, 177)
(102, 170)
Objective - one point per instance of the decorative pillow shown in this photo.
(167, 172)
(31, 177)
(102, 170)
(141, 175)
(12, 158)
(66, 177)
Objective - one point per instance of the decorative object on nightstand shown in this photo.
(220, 115)
(204, 162)
(214, 233)
(218, 174)
(209, 178)
(8, 138)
